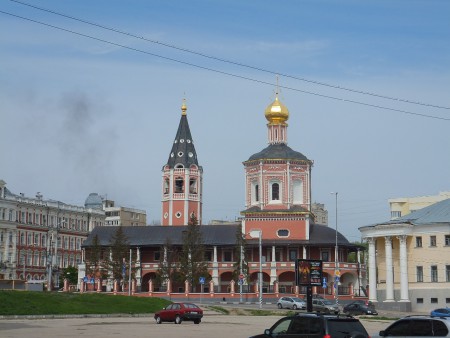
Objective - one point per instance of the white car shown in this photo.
(291, 303)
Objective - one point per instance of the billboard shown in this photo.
(308, 272)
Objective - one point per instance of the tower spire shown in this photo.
(182, 178)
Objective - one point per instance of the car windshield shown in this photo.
(295, 299)
(327, 302)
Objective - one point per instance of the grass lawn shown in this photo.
(61, 303)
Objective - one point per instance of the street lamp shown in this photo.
(336, 254)
(258, 234)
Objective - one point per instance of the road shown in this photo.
(213, 325)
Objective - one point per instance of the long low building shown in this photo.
(149, 251)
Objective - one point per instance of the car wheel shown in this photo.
(280, 306)
(158, 320)
(294, 307)
(197, 321)
(177, 320)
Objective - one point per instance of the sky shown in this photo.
(91, 94)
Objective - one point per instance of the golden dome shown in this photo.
(276, 112)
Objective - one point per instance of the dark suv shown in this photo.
(418, 326)
(314, 325)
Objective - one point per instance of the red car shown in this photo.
(177, 312)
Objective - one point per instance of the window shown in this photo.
(419, 270)
(419, 300)
(434, 274)
(227, 256)
(193, 186)
(208, 256)
(447, 273)
(179, 185)
(432, 240)
(22, 238)
(434, 300)
(254, 194)
(325, 256)
(297, 187)
(157, 256)
(275, 192)
(292, 254)
(447, 240)
(418, 242)
(283, 233)
(447, 300)
(279, 255)
(166, 186)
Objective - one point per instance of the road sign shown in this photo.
(241, 276)
(241, 281)
(85, 279)
(202, 280)
(324, 282)
(337, 273)
(92, 280)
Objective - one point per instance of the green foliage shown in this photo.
(219, 309)
(71, 273)
(61, 303)
(192, 258)
(262, 313)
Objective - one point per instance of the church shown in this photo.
(277, 224)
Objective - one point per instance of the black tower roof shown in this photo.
(279, 151)
(183, 150)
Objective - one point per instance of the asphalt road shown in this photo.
(213, 325)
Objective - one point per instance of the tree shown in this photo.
(116, 261)
(353, 256)
(169, 268)
(192, 259)
(93, 258)
(241, 265)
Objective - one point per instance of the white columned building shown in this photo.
(408, 263)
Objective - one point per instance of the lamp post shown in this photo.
(24, 265)
(258, 234)
(336, 254)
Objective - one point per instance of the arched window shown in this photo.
(254, 192)
(179, 185)
(275, 192)
(193, 186)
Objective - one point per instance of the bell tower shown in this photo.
(182, 179)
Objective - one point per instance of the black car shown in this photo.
(359, 309)
(314, 325)
(364, 302)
